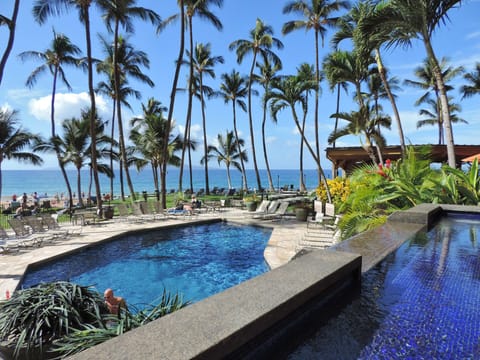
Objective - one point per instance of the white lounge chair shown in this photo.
(279, 213)
(261, 209)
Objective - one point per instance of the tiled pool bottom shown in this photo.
(421, 302)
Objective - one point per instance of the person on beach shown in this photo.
(24, 201)
(114, 303)
(35, 199)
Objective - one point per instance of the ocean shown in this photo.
(48, 183)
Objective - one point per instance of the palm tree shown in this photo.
(363, 123)
(426, 78)
(227, 153)
(203, 63)
(404, 20)
(474, 79)
(286, 93)
(260, 44)
(164, 160)
(201, 9)
(148, 133)
(266, 76)
(434, 116)
(116, 13)
(62, 52)
(368, 44)
(127, 62)
(11, 23)
(41, 10)
(306, 75)
(316, 15)
(233, 89)
(14, 140)
(335, 79)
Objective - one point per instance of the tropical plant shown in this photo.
(473, 78)
(63, 318)
(265, 78)
(11, 23)
(260, 44)
(42, 9)
(201, 9)
(62, 52)
(227, 153)
(403, 20)
(203, 63)
(316, 15)
(233, 89)
(14, 141)
(434, 116)
(365, 124)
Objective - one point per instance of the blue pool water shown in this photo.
(421, 302)
(197, 261)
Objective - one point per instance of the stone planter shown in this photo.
(251, 205)
(108, 212)
(301, 214)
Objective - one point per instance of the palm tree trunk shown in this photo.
(229, 180)
(250, 119)
(302, 184)
(111, 151)
(317, 95)
(121, 136)
(163, 170)
(79, 186)
(381, 72)
(93, 128)
(11, 37)
(443, 102)
(242, 164)
(267, 165)
(205, 149)
(188, 120)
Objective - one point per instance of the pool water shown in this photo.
(196, 261)
(421, 302)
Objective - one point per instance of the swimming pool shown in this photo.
(421, 302)
(197, 261)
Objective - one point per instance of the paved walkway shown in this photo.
(280, 249)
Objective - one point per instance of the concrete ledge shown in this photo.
(225, 324)
(424, 214)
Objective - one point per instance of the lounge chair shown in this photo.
(23, 235)
(51, 222)
(261, 209)
(125, 214)
(8, 245)
(271, 208)
(279, 213)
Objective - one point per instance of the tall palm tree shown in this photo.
(233, 89)
(474, 82)
(306, 75)
(201, 9)
(127, 61)
(335, 79)
(287, 92)
(164, 160)
(11, 23)
(404, 20)
(227, 152)
(14, 141)
(368, 44)
(434, 116)
(260, 44)
(266, 76)
(121, 13)
(363, 123)
(316, 15)
(62, 52)
(148, 133)
(203, 64)
(42, 9)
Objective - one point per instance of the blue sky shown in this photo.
(458, 39)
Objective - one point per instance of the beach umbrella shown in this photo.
(471, 158)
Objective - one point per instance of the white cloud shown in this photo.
(66, 106)
(473, 35)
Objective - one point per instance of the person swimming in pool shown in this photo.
(114, 303)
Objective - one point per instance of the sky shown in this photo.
(458, 40)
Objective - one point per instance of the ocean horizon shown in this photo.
(48, 183)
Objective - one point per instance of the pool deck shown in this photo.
(279, 251)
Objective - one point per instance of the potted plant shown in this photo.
(250, 202)
(302, 210)
(108, 211)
